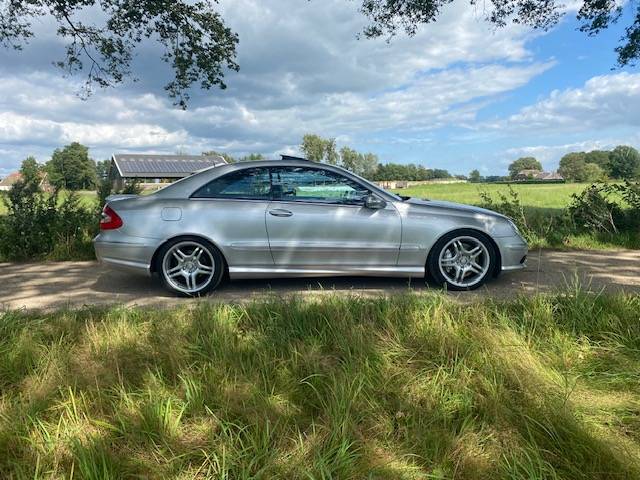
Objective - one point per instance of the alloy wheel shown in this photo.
(464, 261)
(188, 267)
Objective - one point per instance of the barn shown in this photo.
(151, 168)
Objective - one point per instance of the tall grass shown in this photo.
(406, 387)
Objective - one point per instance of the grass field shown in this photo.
(401, 388)
(532, 195)
(547, 196)
(87, 197)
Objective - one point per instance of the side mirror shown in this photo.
(374, 203)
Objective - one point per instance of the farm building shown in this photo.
(7, 182)
(538, 175)
(151, 168)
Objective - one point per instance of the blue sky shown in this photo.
(459, 95)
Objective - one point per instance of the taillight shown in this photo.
(109, 219)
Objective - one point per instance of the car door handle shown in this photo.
(280, 212)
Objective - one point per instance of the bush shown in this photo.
(591, 210)
(38, 225)
(598, 208)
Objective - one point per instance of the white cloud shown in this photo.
(302, 70)
(603, 102)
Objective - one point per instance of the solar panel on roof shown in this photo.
(159, 166)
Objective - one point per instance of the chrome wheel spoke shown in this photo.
(475, 268)
(475, 252)
(448, 262)
(205, 269)
(175, 270)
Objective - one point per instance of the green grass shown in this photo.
(88, 198)
(532, 195)
(401, 388)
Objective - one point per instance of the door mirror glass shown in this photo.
(373, 202)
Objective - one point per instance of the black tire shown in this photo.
(443, 276)
(210, 257)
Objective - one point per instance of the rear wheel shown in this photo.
(462, 260)
(190, 266)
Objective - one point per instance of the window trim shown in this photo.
(270, 197)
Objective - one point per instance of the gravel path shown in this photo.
(54, 285)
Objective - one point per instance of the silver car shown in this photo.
(296, 218)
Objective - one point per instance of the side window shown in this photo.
(315, 185)
(250, 184)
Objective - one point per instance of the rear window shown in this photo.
(250, 184)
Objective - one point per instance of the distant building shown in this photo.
(150, 168)
(7, 182)
(538, 175)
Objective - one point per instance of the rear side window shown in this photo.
(249, 184)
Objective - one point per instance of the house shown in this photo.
(152, 168)
(524, 175)
(7, 182)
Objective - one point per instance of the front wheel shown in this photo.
(190, 266)
(462, 260)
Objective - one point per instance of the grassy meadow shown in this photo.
(88, 198)
(407, 387)
(557, 195)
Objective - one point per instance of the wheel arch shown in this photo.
(187, 236)
(498, 267)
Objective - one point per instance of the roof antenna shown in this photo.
(291, 157)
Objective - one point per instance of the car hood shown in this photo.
(460, 207)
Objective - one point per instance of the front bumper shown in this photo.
(131, 254)
(513, 251)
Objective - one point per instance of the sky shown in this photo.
(459, 95)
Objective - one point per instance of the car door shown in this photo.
(231, 211)
(318, 218)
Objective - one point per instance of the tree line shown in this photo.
(621, 163)
(325, 150)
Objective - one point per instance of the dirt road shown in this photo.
(54, 285)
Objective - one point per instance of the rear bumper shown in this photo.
(513, 251)
(131, 254)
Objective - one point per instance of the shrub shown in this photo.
(38, 225)
(599, 208)
(591, 210)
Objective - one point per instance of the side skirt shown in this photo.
(326, 271)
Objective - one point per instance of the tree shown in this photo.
(474, 176)
(572, 166)
(599, 157)
(193, 36)
(361, 164)
(252, 157)
(313, 147)
(318, 149)
(30, 171)
(593, 173)
(624, 162)
(102, 169)
(71, 168)
(524, 163)
(387, 17)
